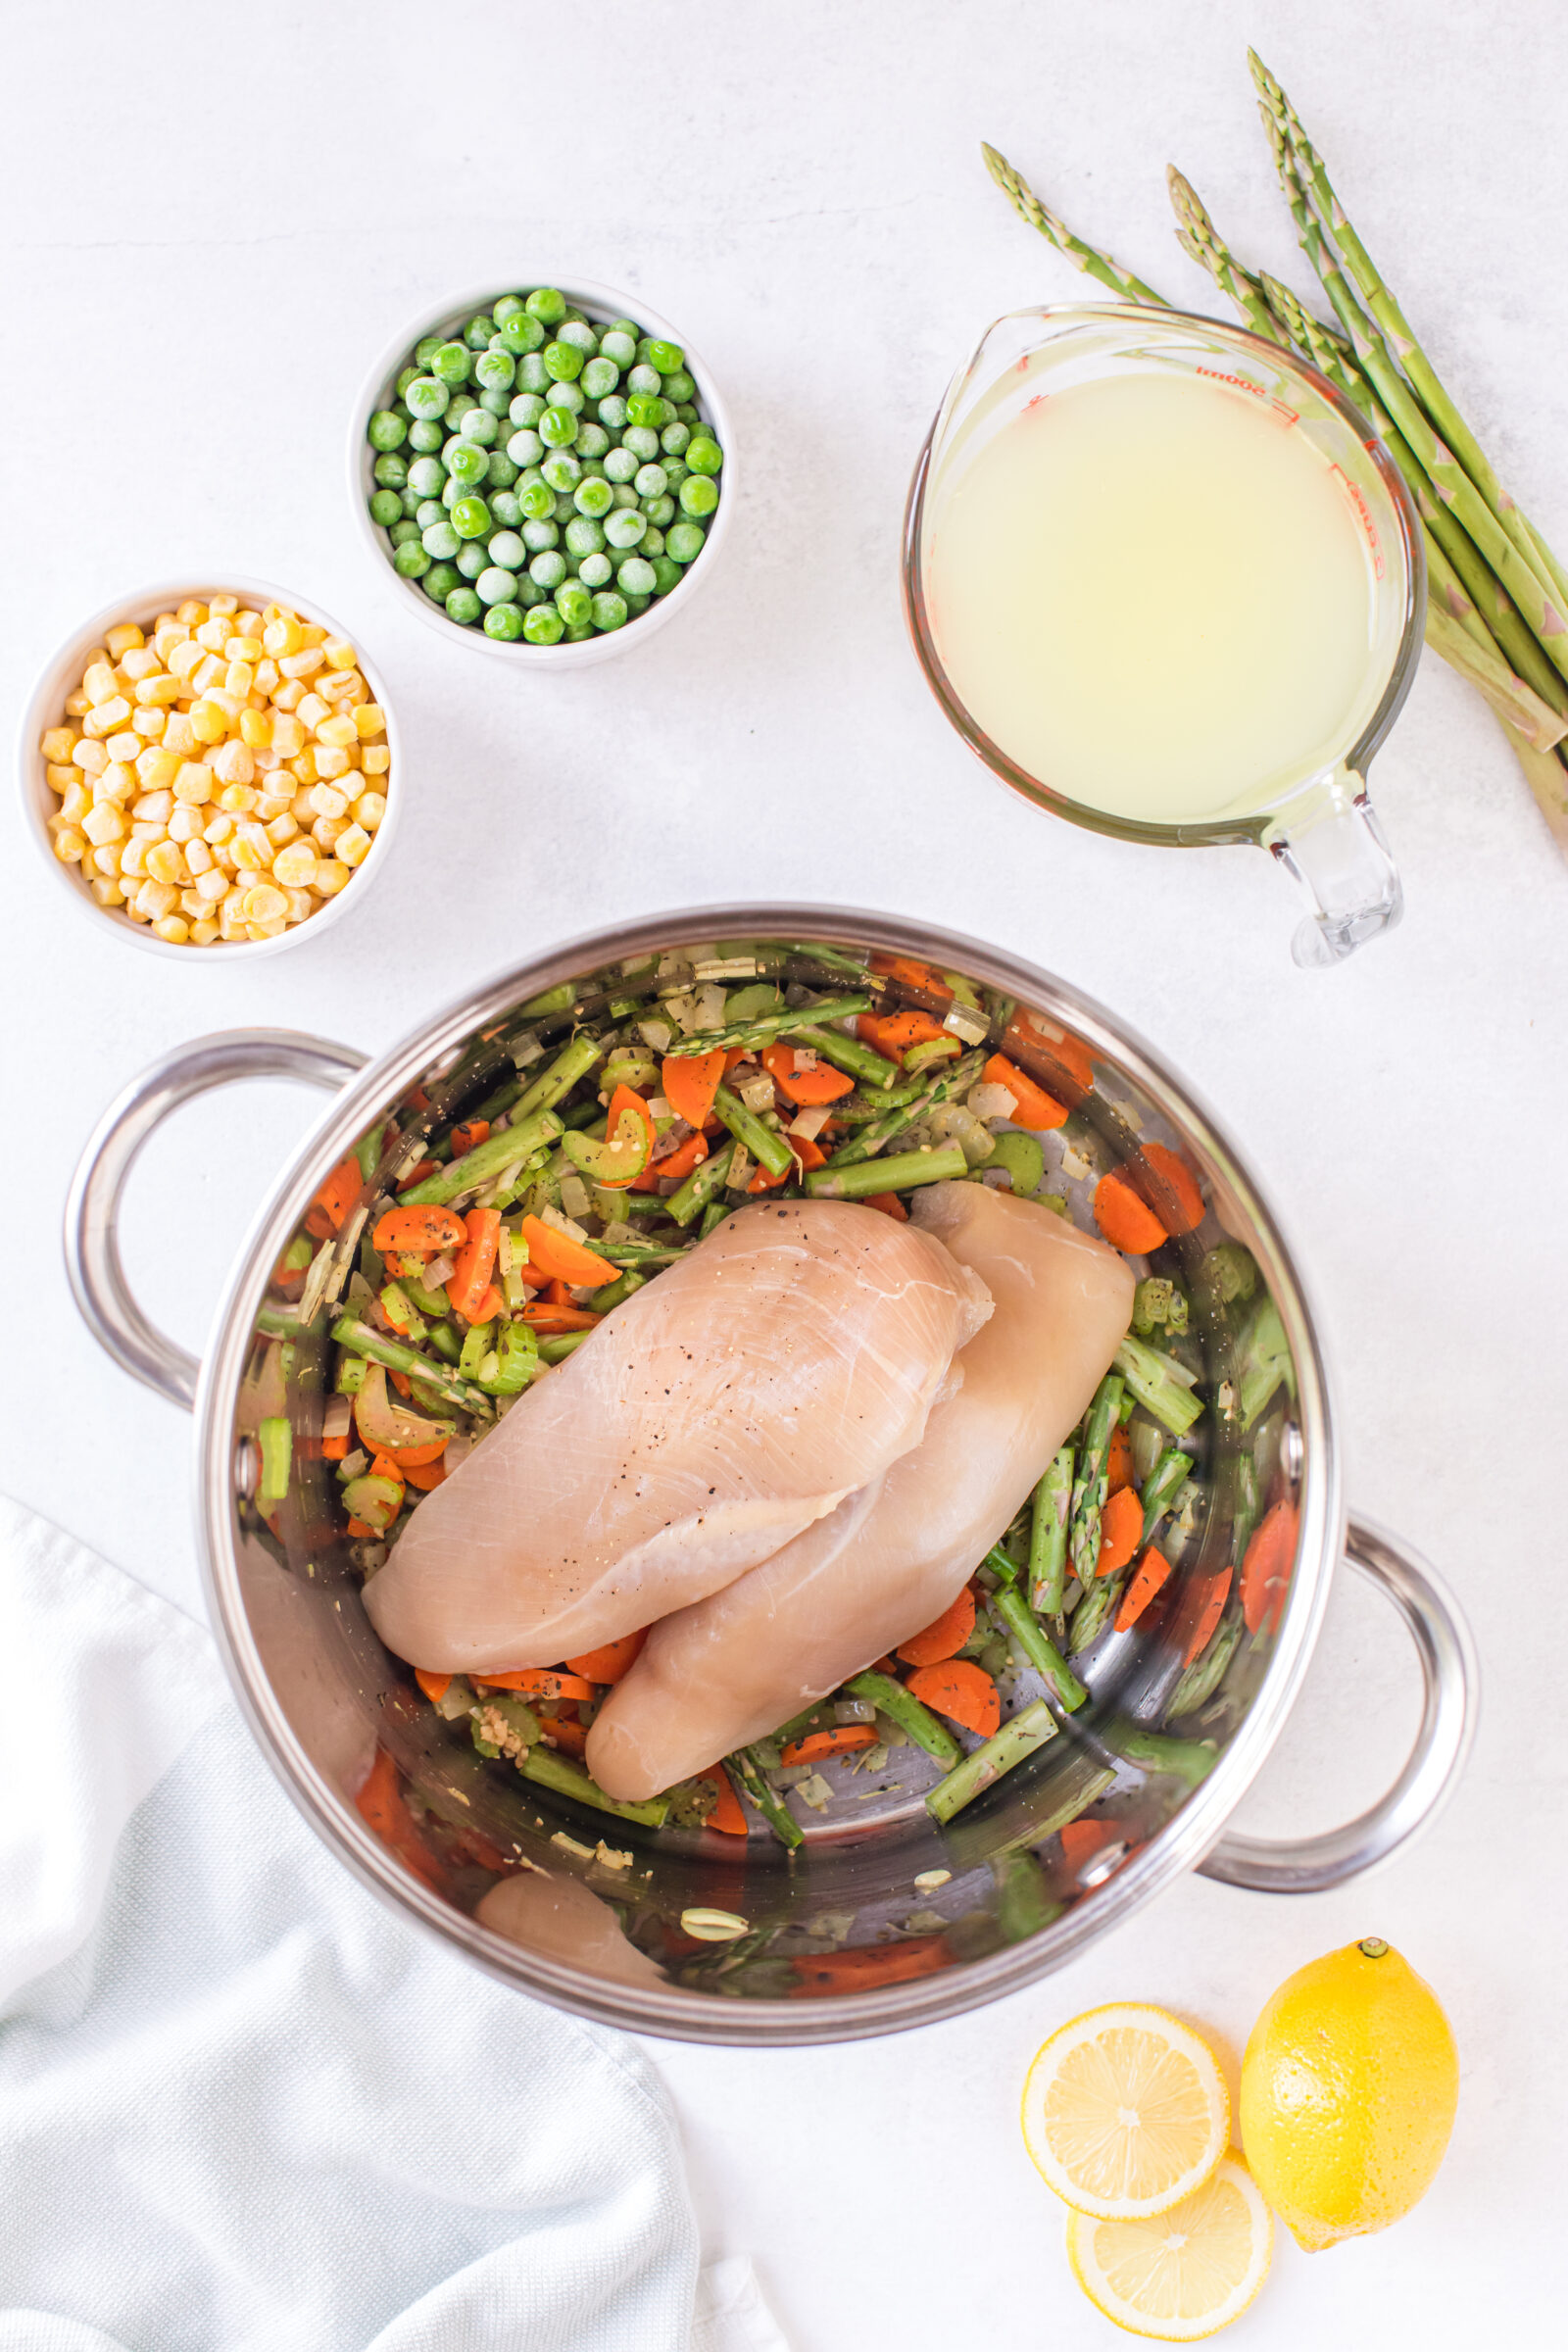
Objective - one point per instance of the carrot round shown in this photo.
(690, 1082)
(1267, 1569)
(820, 1084)
(568, 1734)
(423, 1230)
(1153, 1570)
(1032, 1107)
(538, 1682)
(961, 1690)
(676, 1164)
(910, 974)
(419, 1457)
(863, 1965)
(380, 1803)
(434, 1686)
(475, 1263)
(839, 1741)
(894, 1033)
(1124, 1220)
(562, 1259)
(1118, 1459)
(1213, 1610)
(1122, 1523)
(611, 1660)
(335, 1198)
(552, 1321)
(944, 1637)
(809, 1155)
(726, 1817)
(1069, 1052)
(1183, 1211)
(427, 1476)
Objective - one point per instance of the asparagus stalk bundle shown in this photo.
(1497, 596)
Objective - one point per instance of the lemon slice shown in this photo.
(1184, 2273)
(1124, 2111)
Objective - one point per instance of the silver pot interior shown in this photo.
(880, 1912)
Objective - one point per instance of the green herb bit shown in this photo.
(1017, 1739)
(1162, 1385)
(892, 1175)
(900, 1706)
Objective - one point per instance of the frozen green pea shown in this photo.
(699, 495)
(564, 361)
(621, 466)
(386, 507)
(622, 495)
(425, 349)
(636, 605)
(684, 541)
(526, 408)
(468, 463)
(496, 371)
(543, 625)
(644, 378)
(427, 396)
(439, 582)
(635, 577)
(525, 447)
(593, 496)
(479, 331)
(609, 610)
(599, 377)
(441, 541)
(411, 560)
(428, 511)
(411, 499)
(612, 413)
(583, 536)
(506, 510)
(674, 437)
(390, 471)
(548, 568)
(704, 455)
(564, 509)
(494, 585)
(504, 306)
(665, 356)
(547, 304)
(557, 428)
(617, 345)
(505, 621)
(642, 442)
(532, 374)
(595, 571)
(426, 434)
(477, 425)
(667, 572)
(624, 527)
(659, 511)
(471, 559)
(566, 396)
(579, 332)
(509, 549)
(427, 476)
(678, 385)
(647, 411)
(494, 403)
(652, 542)
(649, 482)
(676, 471)
(573, 603)
(470, 519)
(452, 365)
(403, 530)
(686, 414)
(537, 501)
(387, 429)
(526, 592)
(592, 439)
(451, 492)
(540, 532)
(560, 470)
(464, 605)
(503, 472)
(521, 333)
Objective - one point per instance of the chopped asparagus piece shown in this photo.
(1019, 1737)
(900, 1706)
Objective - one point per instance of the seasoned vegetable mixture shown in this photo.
(610, 1125)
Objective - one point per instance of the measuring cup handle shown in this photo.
(92, 1205)
(1339, 856)
(1450, 1692)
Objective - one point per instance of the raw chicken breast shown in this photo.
(784, 1363)
(859, 1582)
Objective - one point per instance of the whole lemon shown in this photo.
(1348, 2090)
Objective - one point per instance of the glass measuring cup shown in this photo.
(1314, 818)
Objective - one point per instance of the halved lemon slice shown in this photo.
(1182, 2273)
(1124, 2111)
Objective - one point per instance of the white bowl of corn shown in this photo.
(211, 770)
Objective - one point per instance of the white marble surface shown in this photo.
(214, 218)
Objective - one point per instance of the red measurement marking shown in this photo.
(1038, 402)
(1244, 383)
(1281, 408)
(1364, 516)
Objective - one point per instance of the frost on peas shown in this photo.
(699, 495)
(566, 396)
(503, 472)
(472, 559)
(583, 536)
(594, 570)
(387, 429)
(581, 332)
(621, 466)
(463, 606)
(539, 534)
(548, 568)
(678, 386)
(615, 344)
(599, 377)
(426, 434)
(503, 620)
(635, 577)
(612, 413)
(650, 481)
(428, 511)
(674, 439)
(441, 542)
(661, 512)
(532, 374)
(609, 610)
(496, 371)
(684, 541)
(390, 471)
(593, 496)
(521, 333)
(479, 331)
(562, 470)
(643, 443)
(624, 526)
(543, 625)
(426, 397)
(592, 439)
(525, 408)
(494, 585)
(505, 507)
(477, 425)
(525, 448)
(510, 550)
(427, 476)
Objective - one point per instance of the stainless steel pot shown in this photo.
(602, 1935)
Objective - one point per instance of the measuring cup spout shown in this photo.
(1333, 843)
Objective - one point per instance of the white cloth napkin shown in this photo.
(242, 2108)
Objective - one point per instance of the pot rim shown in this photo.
(1178, 1848)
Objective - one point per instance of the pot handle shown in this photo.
(1450, 1693)
(92, 1205)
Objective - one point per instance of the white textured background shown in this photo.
(214, 220)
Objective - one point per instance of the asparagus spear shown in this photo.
(498, 1151)
(1089, 1484)
(1098, 1603)
(1087, 257)
(765, 1144)
(1203, 243)
(1018, 1738)
(1163, 1488)
(704, 1180)
(1205, 1674)
(845, 1053)
(902, 1707)
(358, 1338)
(1017, 1621)
(753, 1781)
(1048, 1536)
(767, 1028)
(554, 1771)
(574, 1061)
(1186, 1760)
(871, 1139)
(1161, 1387)
(892, 1175)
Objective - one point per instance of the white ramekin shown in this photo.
(602, 304)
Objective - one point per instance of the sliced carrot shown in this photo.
(557, 1293)
(1032, 1107)
(1122, 1523)
(475, 1263)
(434, 1686)
(1032, 1032)
(889, 1204)
(944, 1637)
(419, 1457)
(380, 1802)
(816, 1082)
(678, 1164)
(1153, 1570)
(611, 1660)
(550, 1322)
(467, 1134)
(1124, 1220)
(335, 1198)
(537, 1681)
(334, 1449)
(839, 1741)
(427, 1477)
(490, 1304)
(1119, 1459)
(860, 1966)
(568, 1734)
(402, 1383)
(1213, 1610)
(562, 1259)
(418, 1228)
(1183, 1211)
(383, 1466)
(1267, 1569)
(1081, 1840)
(421, 1169)
(894, 1033)
(962, 1691)
(726, 1817)
(909, 972)
(690, 1082)
(810, 1155)
(357, 1527)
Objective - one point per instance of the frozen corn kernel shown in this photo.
(225, 604)
(181, 736)
(303, 664)
(91, 757)
(369, 810)
(212, 885)
(273, 804)
(327, 830)
(282, 636)
(215, 633)
(218, 829)
(370, 720)
(192, 904)
(107, 890)
(61, 779)
(330, 876)
(98, 681)
(157, 767)
(311, 711)
(76, 801)
(174, 928)
(234, 764)
(338, 730)
(288, 695)
(328, 801)
(157, 693)
(104, 823)
(238, 798)
(194, 784)
(58, 745)
(264, 903)
(256, 729)
(107, 718)
(203, 933)
(122, 637)
(185, 822)
(153, 807)
(139, 662)
(209, 723)
(331, 761)
(118, 782)
(253, 852)
(134, 857)
(208, 671)
(150, 723)
(280, 830)
(124, 746)
(288, 734)
(294, 866)
(155, 900)
(165, 862)
(353, 847)
(71, 844)
(198, 857)
(304, 768)
(105, 861)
